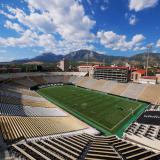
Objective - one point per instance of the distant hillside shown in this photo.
(81, 55)
(84, 55)
(154, 58)
(48, 57)
(43, 58)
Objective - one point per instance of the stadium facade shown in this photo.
(120, 74)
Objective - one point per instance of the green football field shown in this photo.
(109, 114)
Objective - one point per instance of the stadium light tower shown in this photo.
(104, 62)
(149, 49)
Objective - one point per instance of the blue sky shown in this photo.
(117, 27)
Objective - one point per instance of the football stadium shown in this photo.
(69, 115)
(79, 80)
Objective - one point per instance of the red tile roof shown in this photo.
(141, 71)
(158, 71)
(149, 77)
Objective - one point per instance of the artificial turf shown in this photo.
(108, 112)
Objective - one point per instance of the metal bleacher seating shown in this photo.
(38, 79)
(26, 102)
(151, 94)
(108, 86)
(82, 146)
(19, 110)
(29, 127)
(119, 88)
(133, 90)
(146, 129)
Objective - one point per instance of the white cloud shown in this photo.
(103, 8)
(158, 43)
(14, 26)
(118, 42)
(35, 21)
(50, 18)
(132, 20)
(138, 38)
(30, 39)
(68, 16)
(138, 48)
(46, 41)
(139, 5)
(6, 14)
(27, 39)
(42, 22)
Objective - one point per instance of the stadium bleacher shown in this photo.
(26, 102)
(19, 110)
(83, 81)
(35, 128)
(11, 109)
(119, 88)
(82, 146)
(26, 82)
(77, 80)
(150, 117)
(72, 79)
(151, 94)
(89, 83)
(23, 91)
(14, 94)
(99, 85)
(93, 84)
(109, 86)
(30, 127)
(15, 88)
(133, 90)
(38, 79)
(145, 92)
(146, 128)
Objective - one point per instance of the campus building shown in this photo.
(120, 74)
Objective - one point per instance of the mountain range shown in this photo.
(92, 56)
